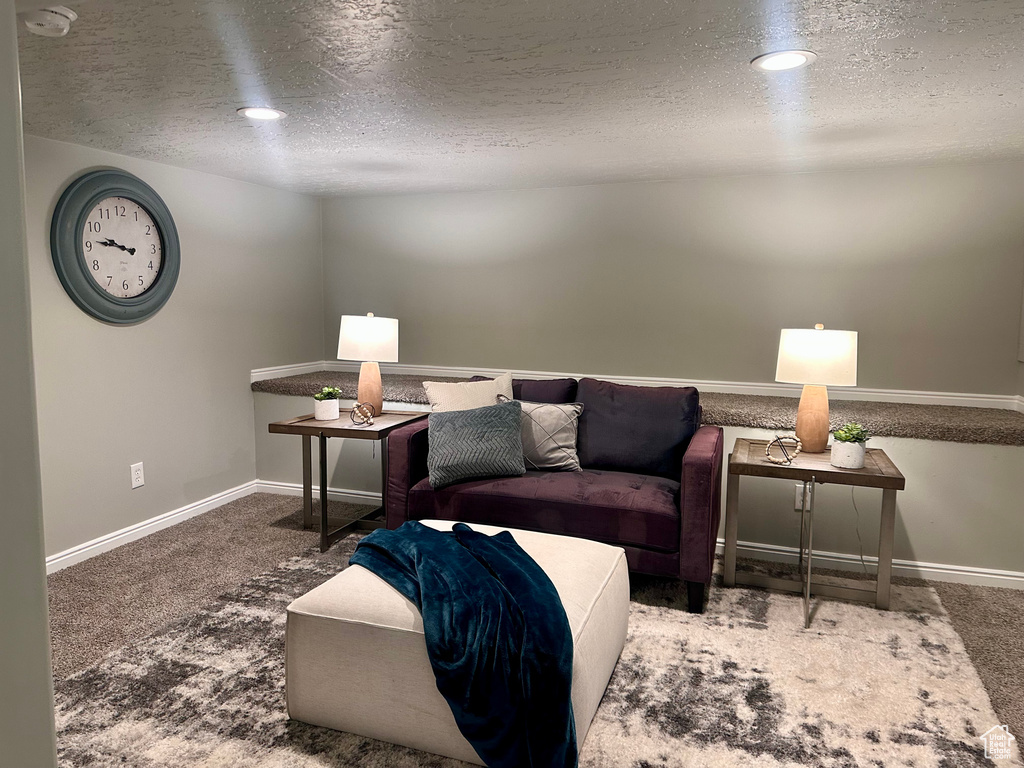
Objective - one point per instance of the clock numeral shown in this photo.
(140, 280)
(149, 229)
(121, 211)
(136, 215)
(151, 265)
(88, 245)
(104, 213)
(109, 279)
(125, 285)
(95, 265)
(94, 226)
(152, 248)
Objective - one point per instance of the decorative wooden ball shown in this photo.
(362, 413)
(787, 448)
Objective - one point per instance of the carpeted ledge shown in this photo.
(946, 423)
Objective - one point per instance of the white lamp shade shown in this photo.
(812, 356)
(368, 338)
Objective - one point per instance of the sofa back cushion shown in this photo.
(541, 390)
(636, 429)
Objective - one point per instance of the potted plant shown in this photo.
(325, 407)
(848, 446)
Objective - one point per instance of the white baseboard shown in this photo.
(936, 571)
(1006, 402)
(350, 495)
(131, 533)
(986, 577)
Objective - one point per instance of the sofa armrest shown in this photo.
(700, 504)
(407, 465)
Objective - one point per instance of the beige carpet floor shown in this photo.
(126, 594)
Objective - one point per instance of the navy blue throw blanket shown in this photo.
(497, 637)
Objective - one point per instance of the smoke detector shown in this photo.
(54, 21)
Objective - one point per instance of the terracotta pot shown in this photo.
(848, 455)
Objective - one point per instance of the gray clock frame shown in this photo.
(66, 228)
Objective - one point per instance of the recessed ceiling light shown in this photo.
(781, 60)
(261, 113)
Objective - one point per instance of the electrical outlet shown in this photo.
(799, 497)
(138, 479)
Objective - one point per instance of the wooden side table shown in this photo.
(308, 428)
(748, 458)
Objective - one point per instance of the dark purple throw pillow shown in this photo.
(636, 429)
(541, 390)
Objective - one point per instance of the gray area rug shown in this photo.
(742, 684)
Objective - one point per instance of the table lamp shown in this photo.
(371, 340)
(817, 359)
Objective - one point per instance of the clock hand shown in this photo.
(112, 244)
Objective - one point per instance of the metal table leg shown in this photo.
(324, 533)
(732, 510)
(808, 507)
(307, 482)
(327, 536)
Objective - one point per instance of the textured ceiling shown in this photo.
(403, 95)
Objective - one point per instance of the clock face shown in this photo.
(122, 247)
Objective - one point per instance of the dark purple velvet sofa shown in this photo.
(651, 480)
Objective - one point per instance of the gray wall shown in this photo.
(693, 279)
(26, 706)
(172, 392)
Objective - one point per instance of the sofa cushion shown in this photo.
(541, 390)
(618, 507)
(636, 429)
(482, 442)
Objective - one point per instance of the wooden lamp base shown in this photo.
(370, 389)
(812, 425)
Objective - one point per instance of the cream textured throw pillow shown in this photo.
(549, 435)
(462, 396)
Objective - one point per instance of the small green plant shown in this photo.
(328, 393)
(852, 433)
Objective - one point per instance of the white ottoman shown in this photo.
(357, 660)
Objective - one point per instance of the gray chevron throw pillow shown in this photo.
(479, 443)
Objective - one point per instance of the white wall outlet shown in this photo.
(799, 498)
(138, 479)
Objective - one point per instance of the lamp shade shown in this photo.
(368, 338)
(817, 356)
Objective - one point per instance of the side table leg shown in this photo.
(885, 541)
(732, 508)
(810, 554)
(384, 478)
(324, 537)
(307, 482)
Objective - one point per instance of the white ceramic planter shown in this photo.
(326, 410)
(848, 455)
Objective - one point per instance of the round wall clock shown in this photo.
(114, 246)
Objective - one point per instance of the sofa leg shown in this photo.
(695, 596)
